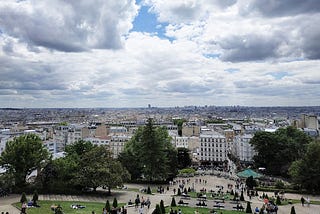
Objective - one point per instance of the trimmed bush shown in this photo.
(241, 196)
(149, 191)
(157, 210)
(278, 201)
(248, 209)
(23, 198)
(173, 202)
(115, 203)
(108, 206)
(163, 210)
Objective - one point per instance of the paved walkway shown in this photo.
(125, 196)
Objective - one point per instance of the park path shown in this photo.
(124, 196)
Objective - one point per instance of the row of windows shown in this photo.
(216, 155)
(212, 159)
(212, 145)
(209, 150)
(218, 140)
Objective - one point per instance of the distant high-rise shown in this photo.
(149, 105)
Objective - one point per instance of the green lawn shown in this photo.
(190, 210)
(66, 207)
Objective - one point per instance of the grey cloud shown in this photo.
(21, 75)
(69, 26)
(224, 3)
(310, 40)
(186, 11)
(7, 92)
(283, 7)
(135, 91)
(186, 87)
(249, 48)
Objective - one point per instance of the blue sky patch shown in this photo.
(232, 70)
(212, 56)
(279, 75)
(146, 21)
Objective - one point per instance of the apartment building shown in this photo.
(242, 148)
(213, 148)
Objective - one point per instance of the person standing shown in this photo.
(302, 201)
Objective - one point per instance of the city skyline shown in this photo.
(165, 53)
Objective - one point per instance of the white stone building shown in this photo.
(213, 148)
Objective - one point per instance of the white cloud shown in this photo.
(86, 56)
(68, 25)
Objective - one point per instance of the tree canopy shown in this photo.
(276, 151)
(149, 154)
(22, 156)
(84, 166)
(306, 171)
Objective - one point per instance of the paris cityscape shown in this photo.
(159, 106)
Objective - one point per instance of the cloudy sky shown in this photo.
(127, 53)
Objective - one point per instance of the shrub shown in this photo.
(149, 191)
(35, 197)
(157, 210)
(248, 209)
(241, 196)
(23, 198)
(279, 184)
(179, 191)
(163, 210)
(173, 202)
(108, 206)
(278, 201)
(115, 203)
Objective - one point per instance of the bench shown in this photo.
(218, 206)
(238, 208)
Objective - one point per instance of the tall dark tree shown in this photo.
(248, 208)
(276, 151)
(306, 172)
(151, 154)
(184, 159)
(22, 156)
(163, 209)
(250, 182)
(97, 168)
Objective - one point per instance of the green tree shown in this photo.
(278, 201)
(107, 206)
(293, 211)
(23, 198)
(22, 156)
(35, 197)
(149, 190)
(184, 159)
(98, 168)
(241, 196)
(173, 202)
(305, 172)
(157, 210)
(115, 203)
(276, 151)
(162, 208)
(248, 209)
(179, 123)
(250, 182)
(151, 153)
